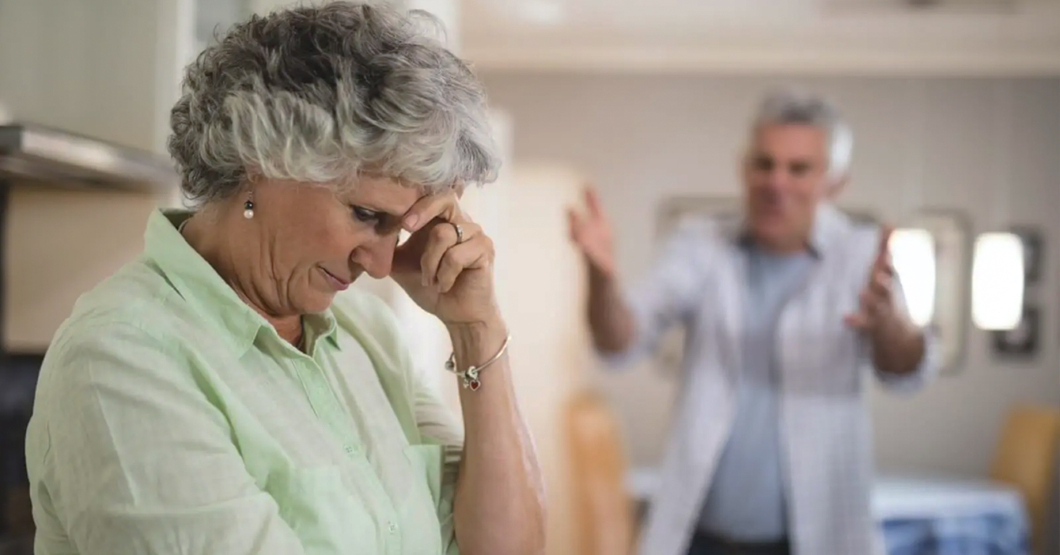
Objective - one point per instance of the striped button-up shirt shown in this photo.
(826, 458)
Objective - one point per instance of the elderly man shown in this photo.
(771, 451)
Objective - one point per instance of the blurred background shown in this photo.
(955, 107)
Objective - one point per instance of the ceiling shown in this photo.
(952, 37)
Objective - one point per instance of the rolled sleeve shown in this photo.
(127, 455)
(671, 291)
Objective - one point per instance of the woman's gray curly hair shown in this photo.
(320, 94)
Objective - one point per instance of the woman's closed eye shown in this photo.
(381, 221)
(364, 214)
(367, 216)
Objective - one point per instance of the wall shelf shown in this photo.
(64, 160)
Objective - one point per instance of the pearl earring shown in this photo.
(248, 209)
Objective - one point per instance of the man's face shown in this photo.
(785, 173)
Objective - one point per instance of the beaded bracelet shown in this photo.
(470, 376)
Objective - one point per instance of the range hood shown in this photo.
(61, 159)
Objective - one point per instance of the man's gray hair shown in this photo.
(322, 94)
(788, 106)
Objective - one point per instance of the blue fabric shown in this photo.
(977, 534)
(746, 501)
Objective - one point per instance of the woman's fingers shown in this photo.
(442, 238)
(473, 254)
(441, 205)
(446, 253)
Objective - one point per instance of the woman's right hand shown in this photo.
(591, 232)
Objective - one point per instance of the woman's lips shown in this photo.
(336, 282)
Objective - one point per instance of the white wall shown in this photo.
(848, 37)
(107, 68)
(546, 359)
(919, 143)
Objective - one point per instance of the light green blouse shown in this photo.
(170, 418)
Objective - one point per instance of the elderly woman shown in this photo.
(220, 396)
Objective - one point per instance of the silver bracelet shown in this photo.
(470, 376)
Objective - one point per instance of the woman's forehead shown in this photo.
(383, 193)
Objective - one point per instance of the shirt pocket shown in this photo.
(323, 512)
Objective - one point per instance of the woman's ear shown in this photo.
(252, 175)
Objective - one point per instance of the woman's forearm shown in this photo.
(499, 507)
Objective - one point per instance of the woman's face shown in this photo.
(317, 240)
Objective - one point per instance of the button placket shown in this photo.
(331, 412)
(325, 404)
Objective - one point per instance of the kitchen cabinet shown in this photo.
(106, 74)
